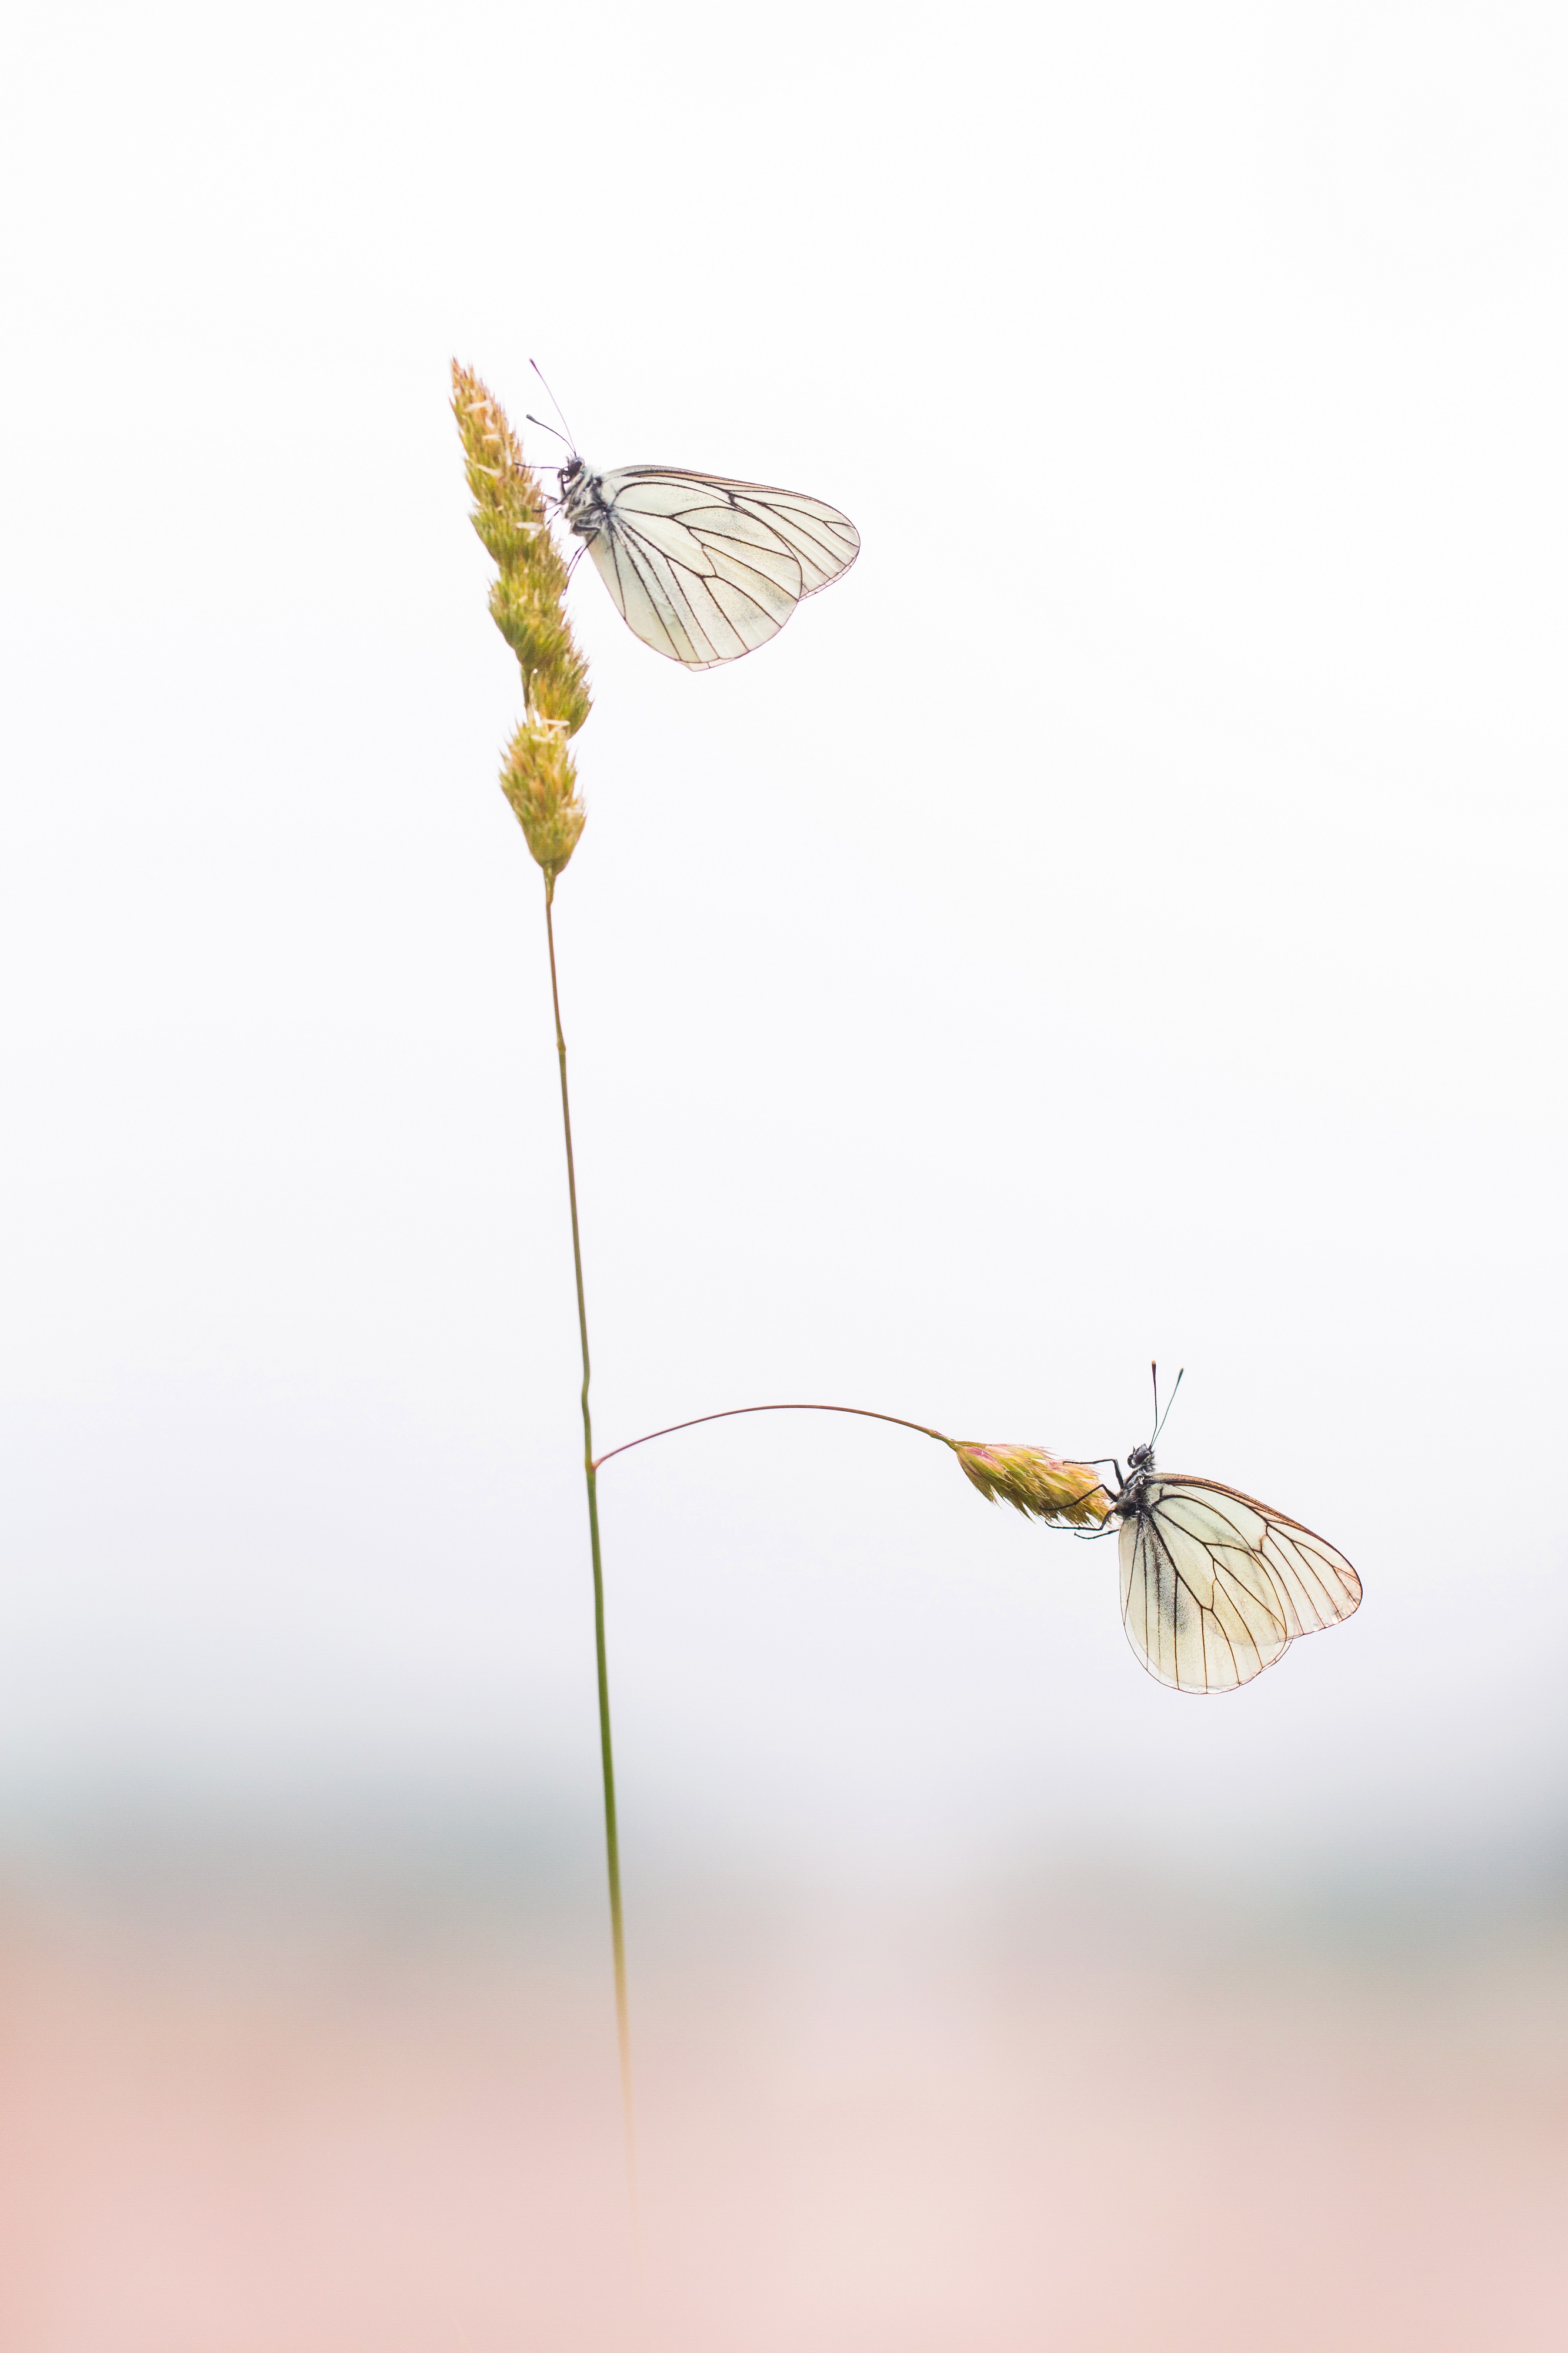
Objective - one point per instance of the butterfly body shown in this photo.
(582, 499)
(1214, 1585)
(702, 568)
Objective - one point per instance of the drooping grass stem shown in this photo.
(730, 1413)
(606, 1752)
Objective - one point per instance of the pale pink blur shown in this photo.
(265, 2121)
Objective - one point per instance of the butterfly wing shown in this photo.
(1198, 1604)
(704, 569)
(1316, 1586)
(1216, 1585)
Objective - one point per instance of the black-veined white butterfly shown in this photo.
(703, 569)
(1214, 1585)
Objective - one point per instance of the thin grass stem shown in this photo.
(730, 1413)
(606, 1753)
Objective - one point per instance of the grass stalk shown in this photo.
(512, 515)
(731, 1413)
(606, 1751)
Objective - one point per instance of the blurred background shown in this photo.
(1121, 920)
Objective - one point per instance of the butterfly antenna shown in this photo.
(570, 438)
(531, 419)
(1161, 1418)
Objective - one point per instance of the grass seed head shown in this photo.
(1039, 1484)
(528, 605)
(539, 780)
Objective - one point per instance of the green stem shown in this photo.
(606, 1756)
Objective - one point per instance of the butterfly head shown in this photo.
(1141, 1459)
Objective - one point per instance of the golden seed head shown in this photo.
(1040, 1485)
(512, 517)
(530, 617)
(506, 492)
(540, 781)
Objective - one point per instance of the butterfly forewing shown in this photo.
(1216, 1585)
(705, 570)
(1196, 1600)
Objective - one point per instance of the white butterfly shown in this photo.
(1214, 1585)
(702, 569)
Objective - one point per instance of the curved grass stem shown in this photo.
(730, 1413)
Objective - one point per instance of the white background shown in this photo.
(1124, 919)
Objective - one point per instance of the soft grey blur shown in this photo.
(1121, 920)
